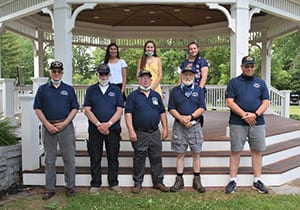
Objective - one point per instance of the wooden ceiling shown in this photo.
(151, 15)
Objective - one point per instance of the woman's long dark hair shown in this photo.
(144, 57)
(107, 55)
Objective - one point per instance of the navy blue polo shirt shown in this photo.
(196, 67)
(104, 106)
(145, 111)
(55, 103)
(247, 94)
(186, 105)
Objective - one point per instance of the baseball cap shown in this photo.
(143, 72)
(187, 68)
(56, 65)
(248, 60)
(103, 69)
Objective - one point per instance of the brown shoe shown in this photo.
(47, 195)
(161, 187)
(70, 192)
(136, 189)
(197, 184)
(178, 185)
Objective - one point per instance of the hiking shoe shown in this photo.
(116, 189)
(94, 190)
(70, 192)
(178, 185)
(48, 194)
(230, 187)
(197, 184)
(161, 187)
(260, 187)
(136, 189)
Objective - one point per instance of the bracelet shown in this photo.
(256, 115)
(98, 123)
(110, 122)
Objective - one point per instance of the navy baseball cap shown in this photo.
(143, 72)
(248, 60)
(187, 68)
(57, 65)
(103, 69)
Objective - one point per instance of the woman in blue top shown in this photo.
(198, 65)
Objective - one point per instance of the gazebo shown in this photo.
(62, 23)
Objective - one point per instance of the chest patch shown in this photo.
(64, 93)
(256, 85)
(111, 94)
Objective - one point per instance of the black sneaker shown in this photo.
(70, 192)
(48, 194)
(260, 187)
(231, 186)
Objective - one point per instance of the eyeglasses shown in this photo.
(56, 71)
(249, 66)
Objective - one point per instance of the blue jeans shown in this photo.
(95, 150)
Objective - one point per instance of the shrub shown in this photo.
(8, 132)
(295, 117)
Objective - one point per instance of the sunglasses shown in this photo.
(103, 74)
(56, 71)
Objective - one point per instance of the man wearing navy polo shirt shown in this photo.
(248, 98)
(56, 105)
(144, 110)
(103, 106)
(186, 105)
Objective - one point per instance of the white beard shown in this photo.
(187, 83)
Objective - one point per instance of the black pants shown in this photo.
(147, 144)
(95, 150)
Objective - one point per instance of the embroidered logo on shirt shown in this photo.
(195, 94)
(64, 93)
(256, 85)
(112, 94)
(154, 101)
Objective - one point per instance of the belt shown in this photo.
(146, 130)
(55, 121)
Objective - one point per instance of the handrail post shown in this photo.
(286, 103)
(31, 145)
(7, 99)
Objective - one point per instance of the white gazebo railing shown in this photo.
(215, 97)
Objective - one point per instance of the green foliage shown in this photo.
(16, 51)
(8, 134)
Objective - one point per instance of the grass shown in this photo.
(295, 110)
(155, 200)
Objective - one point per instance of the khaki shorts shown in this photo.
(255, 136)
(184, 137)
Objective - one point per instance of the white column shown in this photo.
(239, 37)
(266, 56)
(37, 82)
(63, 37)
(31, 145)
(38, 56)
(8, 106)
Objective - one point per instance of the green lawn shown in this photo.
(295, 110)
(155, 200)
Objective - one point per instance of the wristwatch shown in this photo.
(98, 124)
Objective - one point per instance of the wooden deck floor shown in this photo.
(214, 129)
